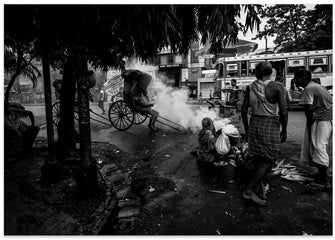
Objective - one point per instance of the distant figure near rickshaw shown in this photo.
(136, 96)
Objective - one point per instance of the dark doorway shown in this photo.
(279, 65)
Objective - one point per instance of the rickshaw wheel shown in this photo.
(56, 113)
(120, 115)
(139, 118)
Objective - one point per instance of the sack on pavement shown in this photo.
(231, 130)
(222, 144)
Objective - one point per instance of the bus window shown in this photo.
(318, 64)
(252, 68)
(244, 69)
(232, 70)
(219, 67)
(331, 64)
(294, 65)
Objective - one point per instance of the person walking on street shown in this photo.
(101, 100)
(318, 105)
(263, 97)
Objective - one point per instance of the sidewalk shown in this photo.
(35, 209)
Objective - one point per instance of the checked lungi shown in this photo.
(264, 136)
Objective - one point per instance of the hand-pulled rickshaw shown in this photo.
(122, 114)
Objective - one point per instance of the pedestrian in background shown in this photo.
(101, 100)
(318, 105)
(233, 84)
(57, 84)
(288, 98)
(263, 97)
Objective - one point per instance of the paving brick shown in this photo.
(122, 193)
(128, 203)
(128, 212)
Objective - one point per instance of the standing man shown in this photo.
(263, 97)
(200, 96)
(101, 100)
(318, 105)
(233, 84)
(57, 84)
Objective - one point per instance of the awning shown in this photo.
(231, 50)
(114, 82)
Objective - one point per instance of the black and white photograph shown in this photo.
(166, 119)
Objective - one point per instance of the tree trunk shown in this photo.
(87, 180)
(48, 105)
(10, 85)
(66, 142)
(50, 170)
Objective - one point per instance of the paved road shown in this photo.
(104, 133)
(296, 126)
(175, 194)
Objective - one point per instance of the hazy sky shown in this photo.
(261, 43)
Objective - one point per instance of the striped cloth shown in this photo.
(264, 137)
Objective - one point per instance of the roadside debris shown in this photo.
(151, 189)
(220, 164)
(216, 191)
(232, 162)
(228, 214)
(286, 188)
(289, 172)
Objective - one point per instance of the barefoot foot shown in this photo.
(253, 196)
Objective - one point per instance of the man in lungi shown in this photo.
(266, 100)
(318, 105)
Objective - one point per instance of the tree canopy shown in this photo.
(112, 32)
(297, 29)
(63, 33)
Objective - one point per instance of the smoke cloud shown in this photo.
(172, 103)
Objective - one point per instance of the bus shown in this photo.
(242, 68)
